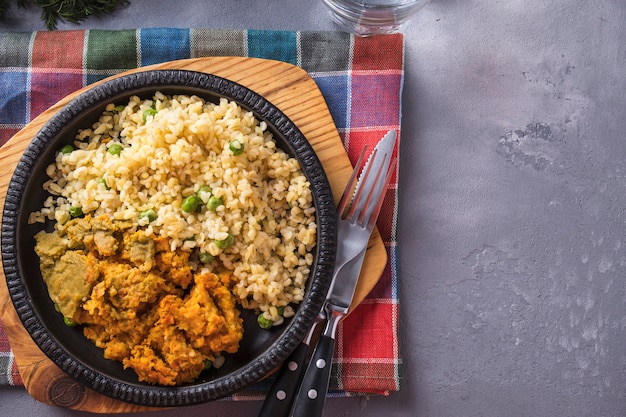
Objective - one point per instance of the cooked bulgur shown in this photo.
(152, 154)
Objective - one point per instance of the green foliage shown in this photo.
(73, 11)
(3, 8)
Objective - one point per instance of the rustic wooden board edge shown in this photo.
(284, 85)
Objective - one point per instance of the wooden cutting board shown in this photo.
(290, 89)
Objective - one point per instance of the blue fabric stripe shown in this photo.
(335, 89)
(14, 107)
(164, 44)
(277, 45)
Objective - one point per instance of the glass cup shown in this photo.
(371, 17)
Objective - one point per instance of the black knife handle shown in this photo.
(280, 397)
(311, 396)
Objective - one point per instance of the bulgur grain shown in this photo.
(182, 145)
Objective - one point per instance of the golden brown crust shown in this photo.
(141, 302)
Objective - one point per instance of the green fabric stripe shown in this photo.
(99, 56)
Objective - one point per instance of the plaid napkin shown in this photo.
(360, 78)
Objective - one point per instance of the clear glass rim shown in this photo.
(373, 15)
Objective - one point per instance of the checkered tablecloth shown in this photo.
(360, 78)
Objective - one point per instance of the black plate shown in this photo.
(261, 351)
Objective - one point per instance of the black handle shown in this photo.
(312, 393)
(280, 397)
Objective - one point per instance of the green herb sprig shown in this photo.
(73, 11)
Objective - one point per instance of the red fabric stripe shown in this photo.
(359, 139)
(49, 87)
(368, 362)
(4, 342)
(378, 52)
(373, 378)
(6, 134)
(62, 49)
(15, 374)
(386, 217)
(57, 61)
(370, 332)
(384, 287)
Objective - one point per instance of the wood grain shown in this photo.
(286, 86)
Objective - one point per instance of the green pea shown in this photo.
(264, 323)
(149, 214)
(190, 204)
(104, 183)
(148, 113)
(207, 364)
(236, 147)
(214, 203)
(205, 258)
(119, 108)
(225, 243)
(204, 189)
(69, 322)
(66, 149)
(115, 149)
(281, 310)
(76, 211)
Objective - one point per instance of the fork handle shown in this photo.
(311, 397)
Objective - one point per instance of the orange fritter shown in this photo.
(140, 302)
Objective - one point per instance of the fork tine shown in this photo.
(359, 192)
(379, 203)
(348, 192)
(374, 188)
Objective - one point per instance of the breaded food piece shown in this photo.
(139, 301)
(189, 332)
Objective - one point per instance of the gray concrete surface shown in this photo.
(513, 189)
